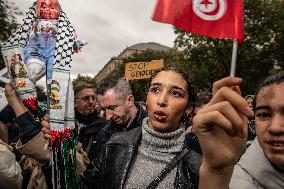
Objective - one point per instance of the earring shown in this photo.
(187, 121)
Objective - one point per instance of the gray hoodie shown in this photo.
(254, 171)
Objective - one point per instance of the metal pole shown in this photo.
(234, 59)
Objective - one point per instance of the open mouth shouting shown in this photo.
(160, 116)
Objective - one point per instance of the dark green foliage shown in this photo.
(84, 79)
(41, 94)
(209, 59)
(8, 23)
(261, 54)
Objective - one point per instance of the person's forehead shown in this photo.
(272, 95)
(49, 2)
(170, 78)
(249, 99)
(111, 93)
(109, 98)
(87, 91)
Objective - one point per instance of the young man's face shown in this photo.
(116, 110)
(269, 122)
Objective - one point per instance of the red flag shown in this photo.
(213, 18)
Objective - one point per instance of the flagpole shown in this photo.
(234, 58)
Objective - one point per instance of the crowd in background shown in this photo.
(178, 138)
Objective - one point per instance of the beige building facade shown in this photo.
(113, 63)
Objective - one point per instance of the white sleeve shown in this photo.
(10, 170)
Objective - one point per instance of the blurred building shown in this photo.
(113, 63)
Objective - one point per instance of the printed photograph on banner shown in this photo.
(17, 70)
(54, 95)
(3, 100)
(14, 64)
(4, 76)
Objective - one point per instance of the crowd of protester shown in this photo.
(178, 138)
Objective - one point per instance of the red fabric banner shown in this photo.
(213, 18)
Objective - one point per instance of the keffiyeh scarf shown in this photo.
(60, 94)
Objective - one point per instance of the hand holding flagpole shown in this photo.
(234, 58)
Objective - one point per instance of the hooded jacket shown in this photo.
(254, 171)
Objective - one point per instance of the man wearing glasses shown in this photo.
(89, 123)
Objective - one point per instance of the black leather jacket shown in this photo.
(112, 167)
(88, 134)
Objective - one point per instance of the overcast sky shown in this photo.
(109, 26)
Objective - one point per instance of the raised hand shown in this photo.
(14, 100)
(221, 127)
(46, 128)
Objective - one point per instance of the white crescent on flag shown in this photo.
(210, 9)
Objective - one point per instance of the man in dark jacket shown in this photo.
(89, 123)
(116, 99)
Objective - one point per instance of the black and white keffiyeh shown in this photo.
(61, 114)
(64, 37)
